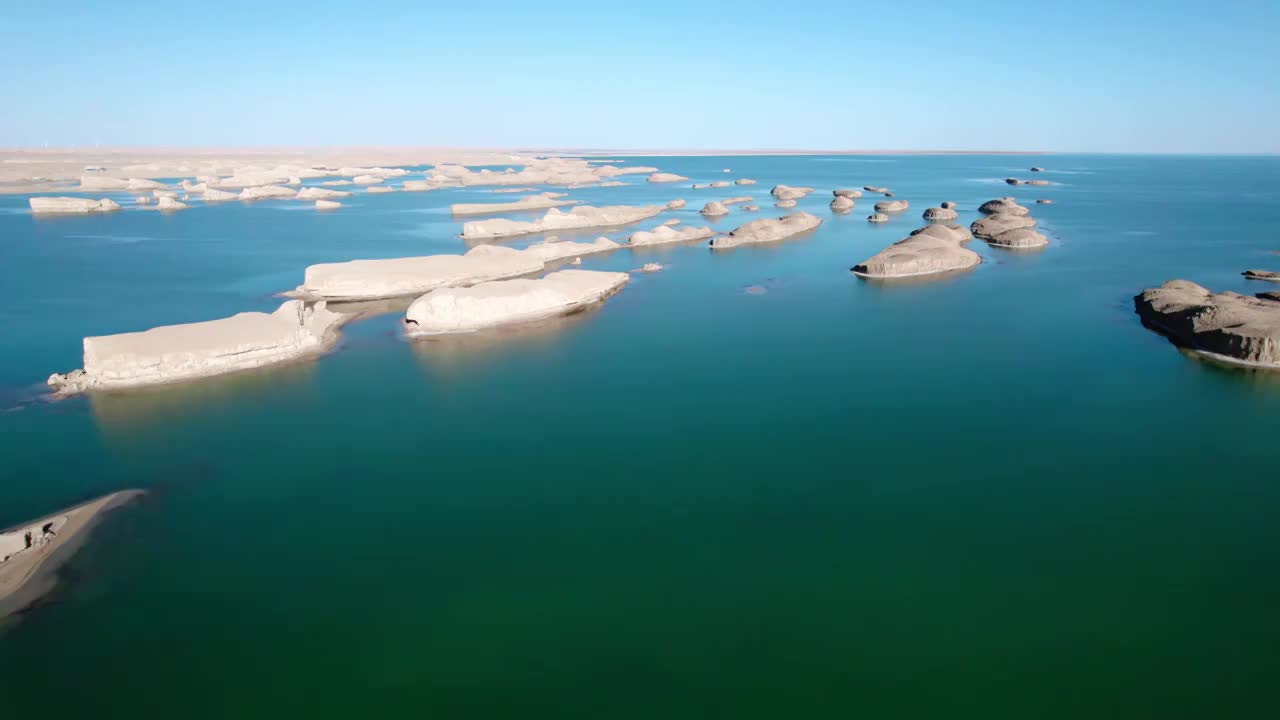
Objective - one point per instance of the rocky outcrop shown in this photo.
(1227, 326)
(768, 230)
(714, 209)
(891, 206)
(183, 352)
(940, 214)
(744, 181)
(418, 186)
(398, 277)
(992, 225)
(70, 205)
(315, 193)
(265, 192)
(1017, 239)
(841, 204)
(1270, 295)
(948, 205)
(663, 177)
(675, 204)
(1013, 181)
(786, 192)
(785, 204)
(509, 302)
(170, 204)
(328, 204)
(851, 194)
(581, 217)
(874, 189)
(216, 195)
(379, 189)
(336, 183)
(554, 249)
(1006, 205)
(720, 184)
(931, 250)
(102, 182)
(665, 234)
(1270, 275)
(878, 218)
(367, 179)
(530, 202)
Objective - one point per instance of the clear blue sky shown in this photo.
(1082, 76)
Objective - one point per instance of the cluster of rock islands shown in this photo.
(492, 284)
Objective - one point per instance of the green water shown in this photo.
(995, 495)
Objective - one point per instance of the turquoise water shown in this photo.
(992, 495)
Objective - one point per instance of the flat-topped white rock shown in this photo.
(170, 204)
(675, 204)
(554, 249)
(418, 186)
(163, 194)
(744, 181)
(70, 205)
(993, 225)
(874, 189)
(368, 179)
(786, 192)
(878, 218)
(328, 204)
(143, 200)
(266, 192)
(183, 352)
(664, 177)
(377, 189)
(1227, 326)
(841, 204)
(1006, 205)
(714, 208)
(768, 230)
(1017, 239)
(509, 302)
(664, 234)
(1268, 275)
(530, 202)
(851, 194)
(216, 195)
(581, 217)
(335, 183)
(1038, 183)
(785, 204)
(931, 250)
(380, 172)
(891, 206)
(398, 277)
(249, 180)
(316, 193)
(940, 214)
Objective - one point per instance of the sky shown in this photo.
(1082, 76)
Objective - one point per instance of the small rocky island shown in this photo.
(1226, 326)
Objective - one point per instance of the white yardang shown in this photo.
(553, 250)
(583, 216)
(70, 205)
(767, 230)
(170, 204)
(263, 192)
(786, 192)
(675, 204)
(662, 177)
(510, 301)
(714, 209)
(530, 202)
(931, 250)
(375, 189)
(397, 277)
(664, 234)
(840, 203)
(889, 206)
(182, 352)
(367, 179)
(316, 193)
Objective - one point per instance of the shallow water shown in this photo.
(994, 494)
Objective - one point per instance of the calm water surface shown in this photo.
(992, 495)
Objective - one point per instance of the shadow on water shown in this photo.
(457, 353)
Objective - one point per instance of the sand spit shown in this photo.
(531, 202)
(1226, 326)
(182, 352)
(315, 193)
(767, 230)
(70, 205)
(581, 217)
(665, 234)
(930, 250)
(508, 302)
(31, 552)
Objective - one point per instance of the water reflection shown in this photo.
(457, 354)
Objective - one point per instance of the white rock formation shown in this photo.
(398, 277)
(102, 182)
(508, 302)
(744, 181)
(662, 177)
(263, 192)
(182, 352)
(878, 218)
(418, 186)
(378, 172)
(874, 189)
(890, 206)
(939, 214)
(785, 204)
(583, 216)
(143, 184)
(1006, 205)
(768, 230)
(163, 194)
(328, 204)
(786, 192)
(70, 205)
(335, 183)
(554, 249)
(931, 250)
(675, 204)
(530, 202)
(714, 209)
(664, 234)
(216, 195)
(851, 194)
(143, 200)
(375, 189)
(170, 204)
(317, 193)
(841, 204)
(367, 179)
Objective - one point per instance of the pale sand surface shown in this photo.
(27, 170)
(29, 575)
